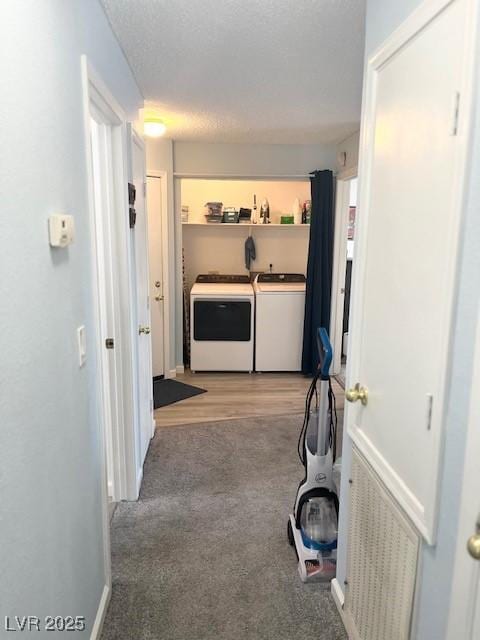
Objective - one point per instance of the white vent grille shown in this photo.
(382, 560)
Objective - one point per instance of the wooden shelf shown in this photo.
(229, 225)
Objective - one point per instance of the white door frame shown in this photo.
(166, 230)
(342, 208)
(423, 516)
(96, 95)
(466, 576)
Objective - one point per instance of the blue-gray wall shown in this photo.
(383, 17)
(51, 555)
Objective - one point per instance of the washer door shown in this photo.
(222, 320)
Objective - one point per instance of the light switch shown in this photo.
(82, 346)
(61, 230)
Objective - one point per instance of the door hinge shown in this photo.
(109, 343)
(429, 410)
(455, 113)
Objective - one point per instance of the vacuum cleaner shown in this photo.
(313, 525)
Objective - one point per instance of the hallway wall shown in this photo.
(51, 551)
(251, 159)
(436, 562)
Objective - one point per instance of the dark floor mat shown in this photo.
(169, 391)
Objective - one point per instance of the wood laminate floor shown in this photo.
(240, 395)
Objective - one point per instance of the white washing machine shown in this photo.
(279, 314)
(222, 323)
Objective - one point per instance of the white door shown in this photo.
(140, 231)
(104, 232)
(464, 617)
(154, 205)
(414, 141)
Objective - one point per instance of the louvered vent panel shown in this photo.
(382, 560)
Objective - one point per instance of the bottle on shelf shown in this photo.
(308, 211)
(265, 211)
(297, 211)
(254, 209)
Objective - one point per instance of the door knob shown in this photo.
(145, 330)
(357, 393)
(473, 544)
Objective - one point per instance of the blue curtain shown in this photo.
(319, 267)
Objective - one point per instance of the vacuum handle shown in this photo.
(325, 352)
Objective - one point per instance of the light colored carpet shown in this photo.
(204, 554)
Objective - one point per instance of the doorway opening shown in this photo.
(345, 218)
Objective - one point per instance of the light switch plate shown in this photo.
(82, 346)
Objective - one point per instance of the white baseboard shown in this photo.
(101, 613)
(339, 599)
(139, 481)
(180, 369)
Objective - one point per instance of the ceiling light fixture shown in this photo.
(153, 127)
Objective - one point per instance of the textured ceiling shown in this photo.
(279, 71)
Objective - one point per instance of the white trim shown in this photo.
(167, 301)
(466, 575)
(132, 136)
(96, 96)
(417, 593)
(178, 272)
(96, 313)
(427, 11)
(342, 207)
(140, 478)
(180, 369)
(424, 517)
(339, 599)
(101, 613)
(393, 482)
(241, 176)
(337, 594)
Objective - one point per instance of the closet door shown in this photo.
(414, 149)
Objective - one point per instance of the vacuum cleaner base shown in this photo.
(313, 566)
